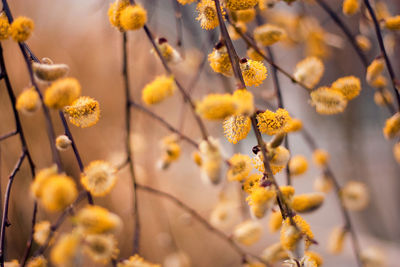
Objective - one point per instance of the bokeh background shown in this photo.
(78, 33)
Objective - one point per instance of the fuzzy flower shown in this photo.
(167, 51)
(240, 4)
(375, 69)
(379, 82)
(38, 261)
(235, 34)
(268, 34)
(207, 14)
(240, 167)
(247, 232)
(138, 261)
(219, 60)
(253, 54)
(114, 12)
(4, 27)
(28, 101)
(99, 178)
(298, 165)
(309, 71)
(171, 150)
(66, 250)
(275, 222)
(101, 248)
(236, 128)
(211, 160)
(216, 106)
(62, 93)
(133, 17)
(295, 125)
(328, 101)
(320, 157)
(392, 126)
(83, 112)
(185, 2)
(245, 102)
(97, 220)
(259, 201)
(252, 182)
(196, 157)
(373, 257)
(336, 240)
(355, 195)
(41, 232)
(311, 257)
(158, 90)
(290, 236)
(350, 7)
(63, 142)
(21, 29)
(383, 97)
(49, 72)
(225, 214)
(245, 15)
(272, 123)
(363, 42)
(278, 159)
(274, 253)
(307, 202)
(393, 23)
(349, 86)
(40, 179)
(323, 184)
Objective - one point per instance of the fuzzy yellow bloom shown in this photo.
(393, 23)
(216, 106)
(245, 15)
(240, 167)
(320, 157)
(272, 123)
(49, 72)
(62, 93)
(99, 178)
(21, 29)
(260, 195)
(41, 232)
(287, 191)
(314, 256)
(253, 181)
(268, 34)
(66, 250)
(236, 128)
(101, 248)
(245, 102)
(63, 142)
(307, 202)
(328, 101)
(240, 4)
(211, 166)
(349, 86)
(38, 261)
(323, 184)
(355, 195)
(136, 261)
(158, 90)
(363, 42)
(83, 112)
(379, 82)
(235, 33)
(290, 236)
(114, 12)
(225, 214)
(4, 27)
(309, 71)
(219, 60)
(97, 220)
(274, 253)
(295, 125)
(28, 101)
(336, 240)
(350, 7)
(279, 157)
(185, 2)
(254, 72)
(275, 222)
(254, 55)
(207, 14)
(392, 126)
(396, 152)
(298, 165)
(40, 179)
(375, 69)
(197, 158)
(171, 150)
(373, 257)
(133, 17)
(59, 191)
(169, 53)
(247, 232)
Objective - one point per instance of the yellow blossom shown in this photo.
(307, 202)
(287, 191)
(63, 142)
(158, 90)
(383, 97)
(272, 123)
(185, 2)
(275, 222)
(295, 125)
(171, 150)
(240, 167)
(216, 106)
(240, 4)
(97, 220)
(62, 93)
(392, 126)
(66, 250)
(41, 232)
(298, 165)
(83, 112)
(219, 60)
(40, 179)
(99, 177)
(133, 17)
(336, 240)
(350, 7)
(393, 23)
(138, 261)
(274, 253)
(101, 248)
(28, 101)
(247, 232)
(254, 55)
(38, 261)
(49, 72)
(245, 15)
(197, 158)
(235, 34)
(309, 71)
(349, 86)
(375, 69)
(169, 53)
(4, 27)
(21, 29)
(245, 102)
(252, 182)
(211, 166)
(268, 34)
(373, 257)
(328, 101)
(320, 157)
(363, 42)
(236, 128)
(225, 214)
(379, 82)
(314, 256)
(290, 235)
(323, 184)
(355, 195)
(208, 16)
(114, 12)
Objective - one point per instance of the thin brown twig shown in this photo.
(7, 135)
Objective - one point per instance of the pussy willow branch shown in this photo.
(200, 219)
(383, 50)
(164, 123)
(179, 26)
(128, 145)
(352, 42)
(7, 135)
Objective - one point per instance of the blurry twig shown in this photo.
(179, 26)
(7, 135)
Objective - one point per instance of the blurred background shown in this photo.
(78, 33)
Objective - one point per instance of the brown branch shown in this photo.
(7, 135)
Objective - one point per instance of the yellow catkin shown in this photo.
(336, 240)
(219, 60)
(375, 69)
(185, 2)
(197, 158)
(21, 29)
(28, 101)
(101, 248)
(59, 191)
(114, 12)
(62, 93)
(309, 71)
(253, 54)
(239, 168)
(5, 30)
(307, 202)
(275, 222)
(314, 256)
(274, 253)
(212, 160)
(136, 260)
(216, 106)
(245, 102)
(373, 257)
(320, 157)
(99, 177)
(383, 98)
(291, 236)
(38, 261)
(379, 82)
(247, 232)
(393, 23)
(298, 165)
(49, 72)
(245, 15)
(63, 142)
(66, 250)
(350, 7)
(268, 34)
(363, 42)
(170, 54)
(158, 90)
(328, 101)
(133, 17)
(240, 4)
(349, 86)
(272, 123)
(236, 128)
(355, 195)
(234, 31)
(83, 112)
(97, 220)
(41, 232)
(323, 184)
(254, 72)
(207, 14)
(396, 152)
(392, 126)
(295, 125)
(40, 179)
(225, 214)
(171, 150)
(251, 182)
